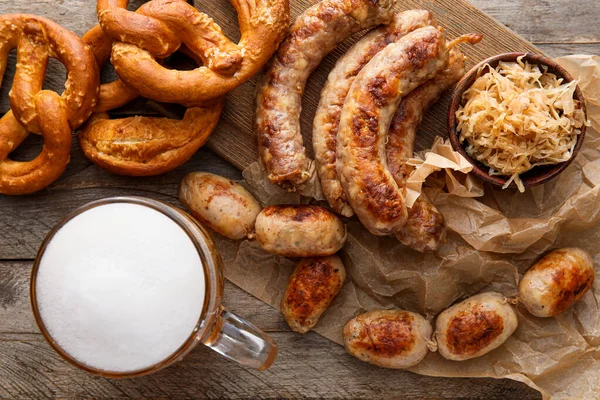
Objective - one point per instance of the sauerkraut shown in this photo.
(517, 116)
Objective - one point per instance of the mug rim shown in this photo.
(211, 265)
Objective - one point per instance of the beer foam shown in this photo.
(120, 287)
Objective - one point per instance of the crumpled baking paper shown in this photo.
(494, 236)
(442, 157)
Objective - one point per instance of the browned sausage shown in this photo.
(279, 100)
(475, 326)
(367, 113)
(327, 117)
(388, 338)
(556, 282)
(312, 287)
(425, 228)
(220, 203)
(299, 231)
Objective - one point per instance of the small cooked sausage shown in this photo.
(475, 326)
(220, 203)
(557, 281)
(388, 338)
(313, 285)
(299, 231)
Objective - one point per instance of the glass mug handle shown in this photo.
(242, 342)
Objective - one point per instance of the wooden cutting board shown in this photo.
(233, 138)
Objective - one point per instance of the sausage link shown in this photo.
(475, 326)
(299, 231)
(367, 113)
(327, 117)
(312, 287)
(556, 282)
(220, 203)
(425, 228)
(279, 97)
(388, 338)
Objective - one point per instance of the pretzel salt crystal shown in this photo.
(263, 24)
(41, 111)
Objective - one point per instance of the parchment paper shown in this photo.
(495, 235)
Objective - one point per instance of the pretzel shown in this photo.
(140, 146)
(144, 146)
(41, 111)
(115, 94)
(160, 27)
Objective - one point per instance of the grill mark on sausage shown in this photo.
(386, 204)
(224, 189)
(388, 336)
(303, 214)
(380, 90)
(312, 284)
(574, 281)
(420, 53)
(471, 331)
(299, 213)
(365, 127)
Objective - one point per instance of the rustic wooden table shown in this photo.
(309, 365)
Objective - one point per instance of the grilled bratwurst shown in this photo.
(299, 231)
(220, 203)
(425, 228)
(279, 100)
(341, 77)
(475, 326)
(370, 105)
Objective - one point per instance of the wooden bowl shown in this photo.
(536, 175)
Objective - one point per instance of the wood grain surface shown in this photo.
(308, 366)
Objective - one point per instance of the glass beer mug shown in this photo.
(126, 286)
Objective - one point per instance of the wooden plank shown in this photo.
(307, 366)
(565, 49)
(547, 21)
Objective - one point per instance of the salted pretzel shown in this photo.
(42, 111)
(140, 146)
(160, 27)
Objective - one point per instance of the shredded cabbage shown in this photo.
(516, 117)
